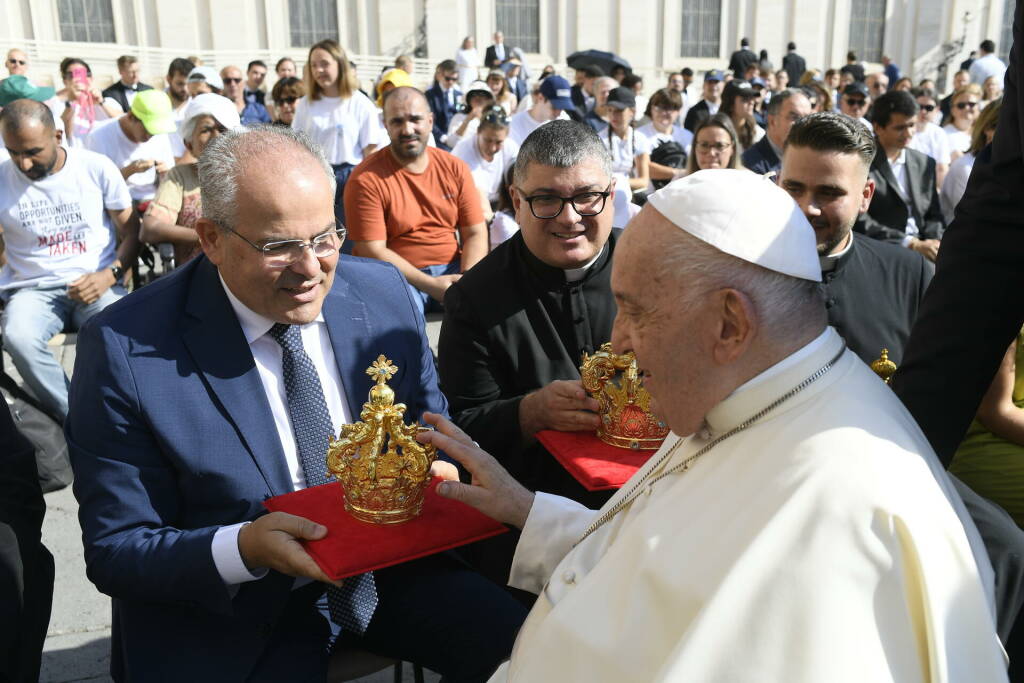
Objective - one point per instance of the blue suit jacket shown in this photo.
(171, 437)
(443, 112)
(761, 158)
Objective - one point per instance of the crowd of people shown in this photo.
(749, 244)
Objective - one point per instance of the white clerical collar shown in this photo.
(577, 274)
(828, 261)
(253, 324)
(755, 394)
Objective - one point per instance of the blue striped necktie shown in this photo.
(353, 604)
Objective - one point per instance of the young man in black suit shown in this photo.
(124, 91)
(906, 208)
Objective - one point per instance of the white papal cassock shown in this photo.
(818, 545)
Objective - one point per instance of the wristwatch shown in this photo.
(118, 272)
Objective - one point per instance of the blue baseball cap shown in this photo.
(714, 75)
(557, 91)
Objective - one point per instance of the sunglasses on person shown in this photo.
(928, 108)
(287, 100)
(451, 79)
(19, 62)
(855, 101)
(966, 105)
(232, 80)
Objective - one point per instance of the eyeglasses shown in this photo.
(495, 115)
(286, 252)
(451, 79)
(855, 101)
(713, 146)
(19, 62)
(927, 107)
(232, 80)
(966, 105)
(548, 206)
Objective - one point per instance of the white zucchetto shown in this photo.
(743, 214)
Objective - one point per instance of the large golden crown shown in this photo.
(381, 466)
(626, 419)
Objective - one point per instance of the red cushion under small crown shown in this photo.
(594, 464)
(352, 547)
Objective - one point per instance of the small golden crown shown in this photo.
(883, 367)
(381, 466)
(626, 419)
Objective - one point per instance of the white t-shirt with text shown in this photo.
(57, 229)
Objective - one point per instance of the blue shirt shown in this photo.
(253, 113)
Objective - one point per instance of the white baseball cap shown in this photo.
(209, 104)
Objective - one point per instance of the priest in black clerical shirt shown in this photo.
(516, 325)
(873, 289)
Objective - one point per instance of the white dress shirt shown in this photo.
(899, 169)
(268, 356)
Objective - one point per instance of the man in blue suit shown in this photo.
(215, 388)
(784, 109)
(444, 99)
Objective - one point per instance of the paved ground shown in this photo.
(78, 643)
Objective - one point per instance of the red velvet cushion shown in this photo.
(352, 547)
(595, 464)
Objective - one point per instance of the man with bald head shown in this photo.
(220, 386)
(250, 111)
(405, 203)
(795, 526)
(63, 213)
(17, 62)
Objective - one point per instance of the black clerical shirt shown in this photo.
(873, 295)
(512, 325)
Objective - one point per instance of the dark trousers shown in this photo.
(341, 174)
(26, 594)
(438, 613)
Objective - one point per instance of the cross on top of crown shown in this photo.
(382, 369)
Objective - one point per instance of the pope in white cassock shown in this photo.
(794, 527)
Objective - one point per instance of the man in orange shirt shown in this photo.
(405, 203)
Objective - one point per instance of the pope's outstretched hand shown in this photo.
(494, 491)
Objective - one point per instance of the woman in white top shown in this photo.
(956, 180)
(463, 125)
(84, 104)
(339, 118)
(963, 111)
(488, 153)
(468, 61)
(629, 149)
(663, 111)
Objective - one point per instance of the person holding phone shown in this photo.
(84, 104)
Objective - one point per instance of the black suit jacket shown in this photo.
(119, 91)
(971, 313)
(794, 65)
(696, 116)
(761, 158)
(443, 112)
(491, 57)
(740, 60)
(886, 218)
